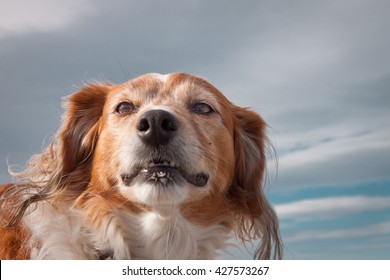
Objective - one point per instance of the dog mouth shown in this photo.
(164, 172)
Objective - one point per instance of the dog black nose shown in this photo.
(157, 127)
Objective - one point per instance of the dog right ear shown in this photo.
(257, 219)
(79, 132)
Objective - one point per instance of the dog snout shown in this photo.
(157, 127)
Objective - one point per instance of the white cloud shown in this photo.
(335, 148)
(20, 16)
(368, 231)
(343, 160)
(331, 207)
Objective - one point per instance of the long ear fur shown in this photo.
(79, 134)
(64, 165)
(81, 124)
(257, 218)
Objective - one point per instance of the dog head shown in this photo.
(164, 141)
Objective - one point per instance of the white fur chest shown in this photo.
(55, 235)
(127, 236)
(173, 237)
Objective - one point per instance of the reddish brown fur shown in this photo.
(13, 244)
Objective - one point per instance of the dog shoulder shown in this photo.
(13, 238)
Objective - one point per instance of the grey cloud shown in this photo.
(302, 64)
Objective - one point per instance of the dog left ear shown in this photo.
(79, 132)
(257, 219)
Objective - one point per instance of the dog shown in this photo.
(159, 167)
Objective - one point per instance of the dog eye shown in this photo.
(125, 108)
(202, 109)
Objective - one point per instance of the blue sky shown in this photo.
(317, 71)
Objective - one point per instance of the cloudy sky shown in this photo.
(317, 71)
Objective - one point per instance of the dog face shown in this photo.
(165, 140)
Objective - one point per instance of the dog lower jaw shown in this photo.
(155, 194)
